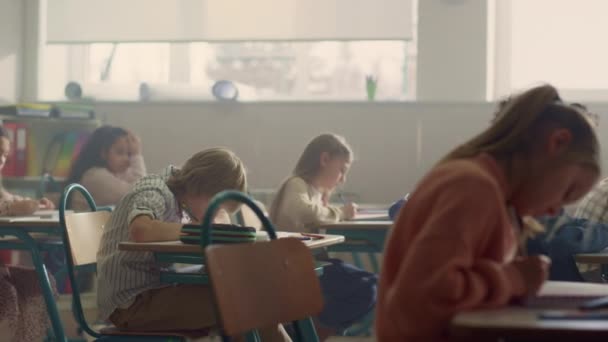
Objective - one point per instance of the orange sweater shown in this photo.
(450, 250)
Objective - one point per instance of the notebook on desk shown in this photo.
(371, 215)
(40, 215)
(565, 295)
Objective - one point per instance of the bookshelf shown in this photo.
(43, 134)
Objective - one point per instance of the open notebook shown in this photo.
(563, 295)
(40, 215)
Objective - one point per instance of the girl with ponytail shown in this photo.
(454, 245)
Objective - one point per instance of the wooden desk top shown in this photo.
(524, 322)
(382, 225)
(179, 247)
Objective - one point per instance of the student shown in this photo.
(108, 165)
(594, 207)
(453, 245)
(23, 315)
(14, 205)
(301, 205)
(130, 293)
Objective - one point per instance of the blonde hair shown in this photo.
(309, 164)
(522, 119)
(209, 172)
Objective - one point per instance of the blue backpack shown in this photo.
(566, 236)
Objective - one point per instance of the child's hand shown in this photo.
(349, 210)
(534, 270)
(24, 207)
(46, 203)
(134, 144)
(325, 198)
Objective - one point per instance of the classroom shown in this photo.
(303, 170)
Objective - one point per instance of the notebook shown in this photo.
(565, 295)
(38, 216)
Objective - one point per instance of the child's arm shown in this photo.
(22, 207)
(443, 272)
(105, 187)
(137, 169)
(145, 229)
(145, 217)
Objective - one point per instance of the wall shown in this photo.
(394, 143)
(452, 50)
(11, 52)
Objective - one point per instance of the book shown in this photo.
(220, 233)
(74, 110)
(9, 167)
(28, 109)
(565, 295)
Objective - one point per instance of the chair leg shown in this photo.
(44, 281)
(252, 336)
(374, 262)
(363, 326)
(357, 260)
(305, 331)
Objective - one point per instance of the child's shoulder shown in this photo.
(462, 170)
(296, 182)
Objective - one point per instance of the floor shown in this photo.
(89, 301)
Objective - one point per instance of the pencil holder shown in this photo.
(371, 85)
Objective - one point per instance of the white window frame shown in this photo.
(499, 75)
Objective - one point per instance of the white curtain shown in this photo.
(83, 21)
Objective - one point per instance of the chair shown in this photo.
(81, 238)
(261, 284)
(246, 217)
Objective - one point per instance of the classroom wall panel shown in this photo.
(11, 32)
(394, 143)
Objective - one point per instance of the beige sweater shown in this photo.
(108, 188)
(301, 209)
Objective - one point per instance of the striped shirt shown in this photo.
(122, 275)
(594, 207)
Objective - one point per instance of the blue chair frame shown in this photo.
(71, 269)
(304, 329)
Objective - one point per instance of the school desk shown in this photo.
(524, 323)
(36, 235)
(595, 258)
(361, 237)
(181, 253)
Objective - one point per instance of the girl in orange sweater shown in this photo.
(453, 247)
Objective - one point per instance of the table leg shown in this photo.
(45, 285)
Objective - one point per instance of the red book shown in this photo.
(9, 167)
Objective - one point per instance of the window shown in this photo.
(555, 41)
(128, 63)
(263, 71)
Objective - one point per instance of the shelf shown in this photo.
(27, 180)
(50, 120)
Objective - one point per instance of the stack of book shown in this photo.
(220, 233)
(74, 110)
(70, 110)
(28, 109)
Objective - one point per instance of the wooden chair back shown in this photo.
(262, 284)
